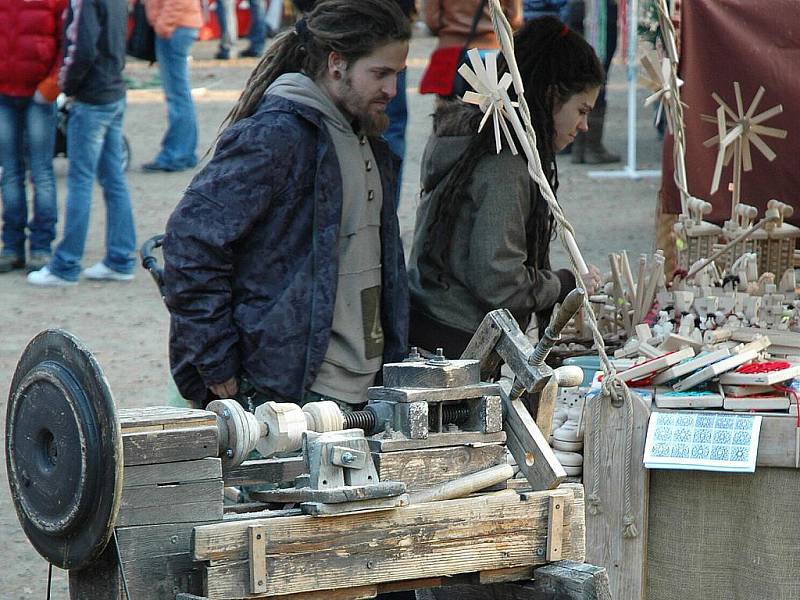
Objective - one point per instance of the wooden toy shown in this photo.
(765, 402)
(752, 375)
(667, 398)
(736, 131)
(655, 365)
(689, 366)
(742, 391)
(743, 355)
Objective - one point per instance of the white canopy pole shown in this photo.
(630, 171)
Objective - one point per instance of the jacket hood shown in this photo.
(302, 89)
(454, 126)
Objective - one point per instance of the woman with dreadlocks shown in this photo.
(483, 227)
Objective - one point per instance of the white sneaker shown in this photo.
(43, 277)
(100, 272)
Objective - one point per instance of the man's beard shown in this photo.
(371, 124)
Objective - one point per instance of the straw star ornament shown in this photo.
(488, 95)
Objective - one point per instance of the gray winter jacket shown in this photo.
(488, 265)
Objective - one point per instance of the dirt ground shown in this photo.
(125, 324)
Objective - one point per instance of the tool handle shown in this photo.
(571, 305)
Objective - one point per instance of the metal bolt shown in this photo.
(226, 414)
(414, 355)
(174, 539)
(229, 453)
(348, 458)
(258, 536)
(540, 552)
(370, 564)
(439, 359)
(260, 582)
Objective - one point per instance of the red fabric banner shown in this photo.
(757, 43)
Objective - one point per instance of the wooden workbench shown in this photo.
(174, 535)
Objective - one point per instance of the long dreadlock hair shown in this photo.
(555, 63)
(352, 28)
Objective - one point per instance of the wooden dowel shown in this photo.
(652, 283)
(628, 275)
(640, 282)
(619, 301)
(463, 486)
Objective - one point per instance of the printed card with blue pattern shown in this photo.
(702, 441)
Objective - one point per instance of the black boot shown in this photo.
(593, 152)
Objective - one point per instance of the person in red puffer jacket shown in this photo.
(31, 42)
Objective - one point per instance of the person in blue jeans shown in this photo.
(257, 35)
(35, 121)
(176, 24)
(32, 41)
(92, 78)
(179, 144)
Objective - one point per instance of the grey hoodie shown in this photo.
(354, 354)
(487, 266)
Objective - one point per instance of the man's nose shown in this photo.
(583, 124)
(390, 87)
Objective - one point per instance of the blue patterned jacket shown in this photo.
(250, 256)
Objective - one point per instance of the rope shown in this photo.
(593, 496)
(628, 522)
(611, 383)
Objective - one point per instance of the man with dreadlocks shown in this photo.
(284, 268)
(483, 228)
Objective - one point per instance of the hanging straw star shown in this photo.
(489, 94)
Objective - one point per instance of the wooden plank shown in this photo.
(476, 390)
(170, 445)
(265, 470)
(467, 535)
(377, 443)
(182, 503)
(101, 580)
(164, 417)
(156, 560)
(555, 526)
(777, 442)
(420, 469)
(624, 558)
(546, 407)
(257, 545)
(482, 346)
(530, 448)
(505, 575)
(174, 472)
